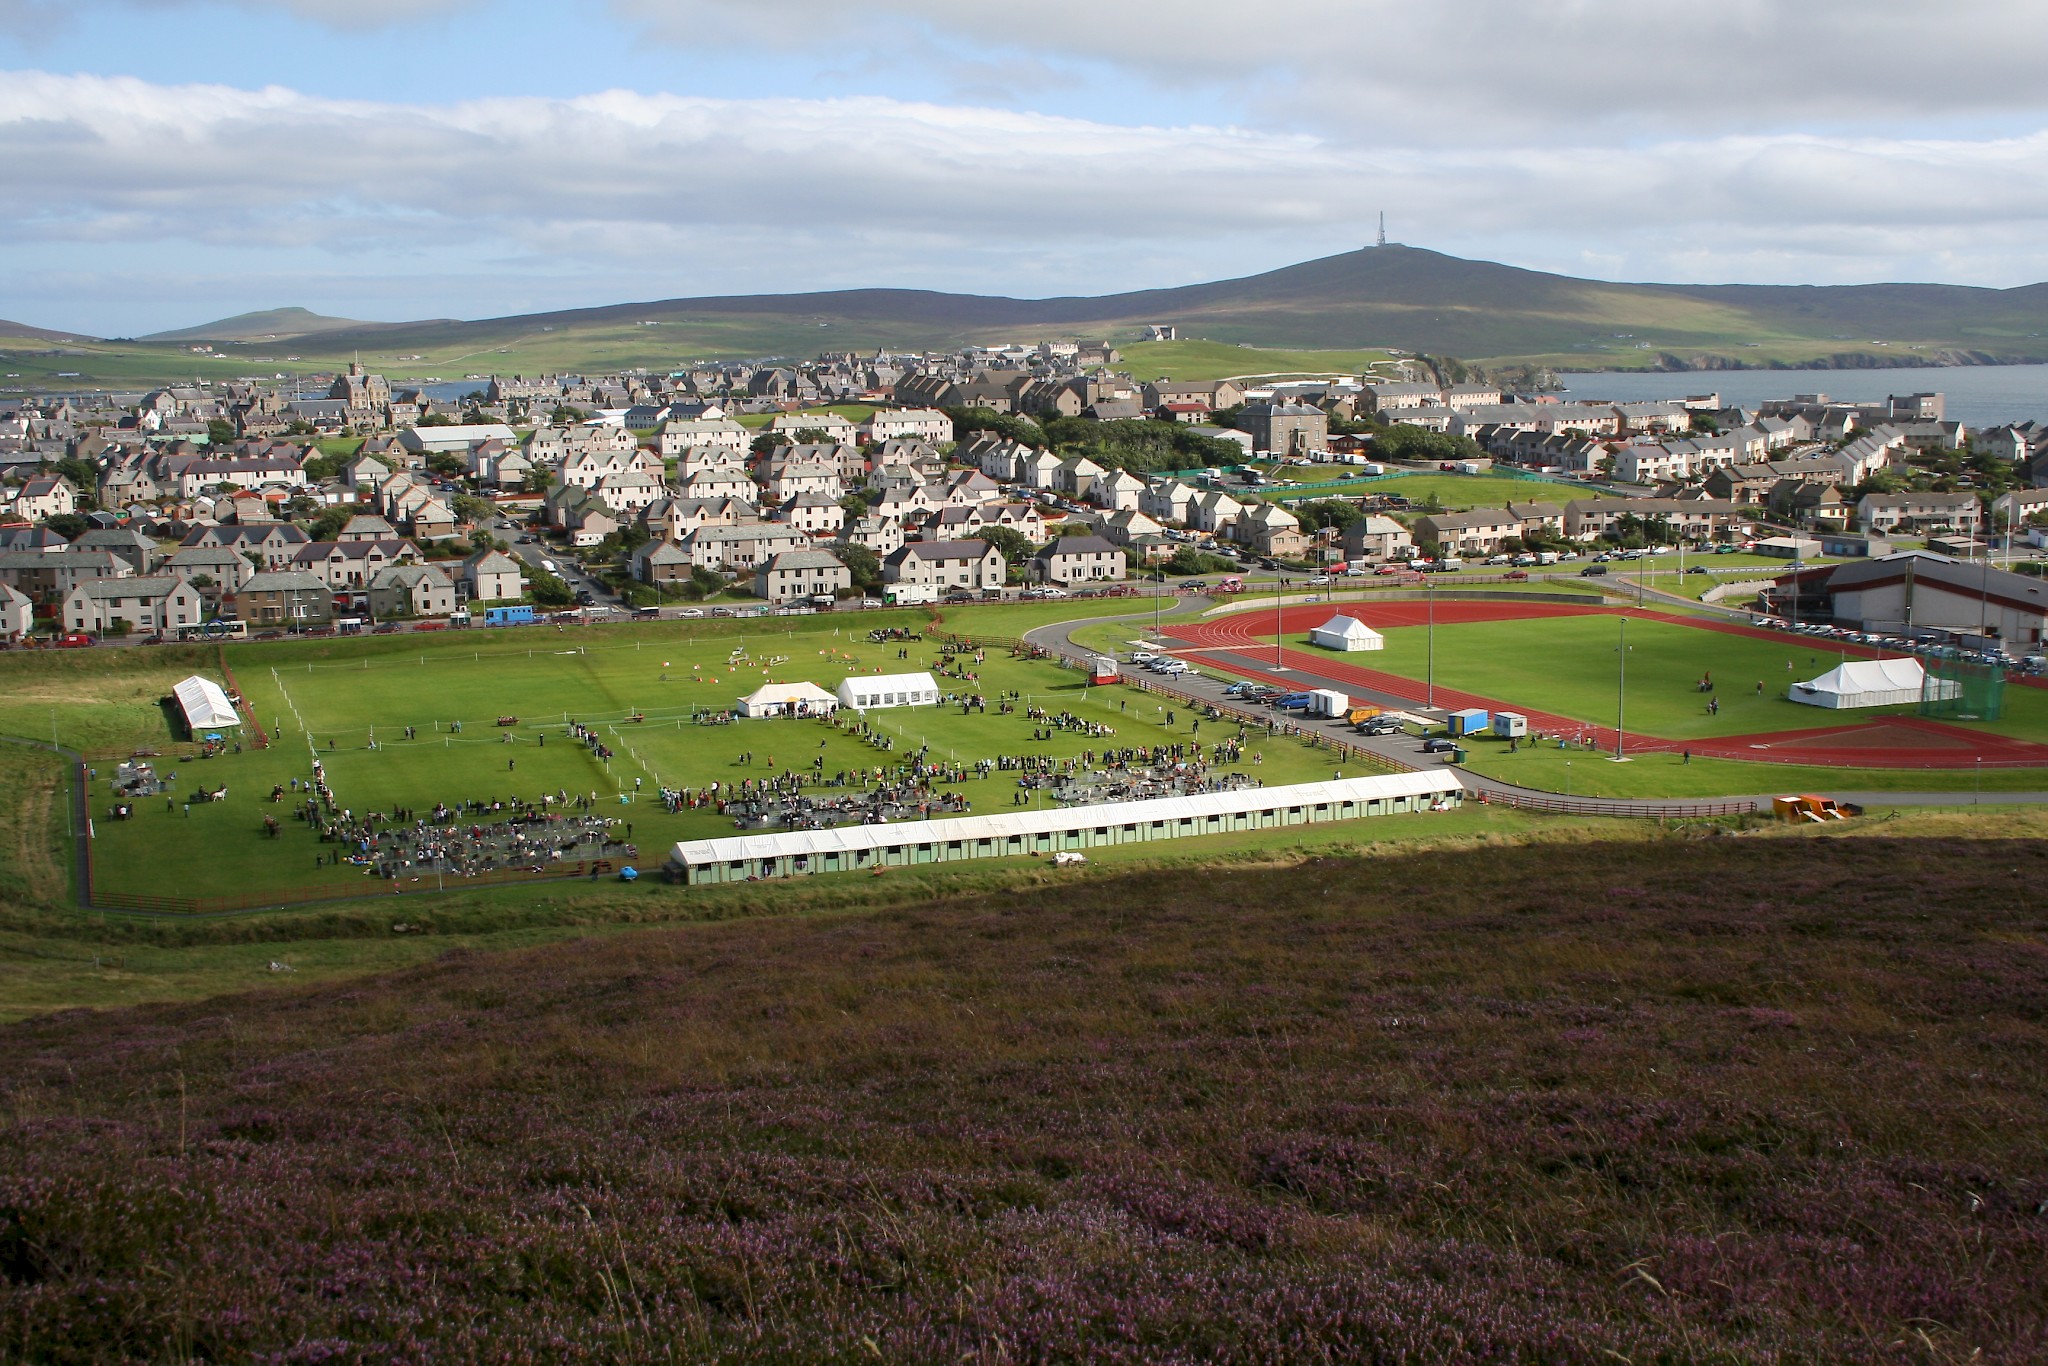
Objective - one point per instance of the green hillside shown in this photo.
(1394, 297)
(272, 324)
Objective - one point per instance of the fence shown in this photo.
(1578, 806)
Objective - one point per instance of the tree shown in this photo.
(446, 464)
(539, 479)
(1014, 544)
(1011, 426)
(707, 581)
(565, 416)
(327, 526)
(220, 431)
(69, 525)
(481, 540)
(547, 589)
(1188, 560)
(863, 564)
(767, 442)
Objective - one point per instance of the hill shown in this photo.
(275, 324)
(1403, 297)
(24, 332)
(1397, 297)
(1737, 1099)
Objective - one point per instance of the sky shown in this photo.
(168, 162)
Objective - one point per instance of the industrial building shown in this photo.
(797, 853)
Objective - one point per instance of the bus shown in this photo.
(220, 628)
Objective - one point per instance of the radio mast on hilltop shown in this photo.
(1383, 227)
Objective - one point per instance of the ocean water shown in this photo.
(1978, 395)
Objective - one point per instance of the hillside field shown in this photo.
(1750, 1099)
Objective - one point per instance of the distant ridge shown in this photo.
(24, 331)
(278, 323)
(1404, 297)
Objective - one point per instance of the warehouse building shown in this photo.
(798, 853)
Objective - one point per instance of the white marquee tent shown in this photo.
(1870, 683)
(1347, 633)
(788, 699)
(206, 707)
(867, 692)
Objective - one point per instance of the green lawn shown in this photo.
(852, 412)
(1197, 361)
(333, 698)
(1463, 492)
(1568, 666)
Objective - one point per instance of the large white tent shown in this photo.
(1871, 683)
(791, 853)
(1347, 633)
(867, 692)
(788, 699)
(206, 707)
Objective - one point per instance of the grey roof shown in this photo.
(129, 588)
(805, 559)
(285, 580)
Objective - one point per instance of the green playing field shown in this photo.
(350, 703)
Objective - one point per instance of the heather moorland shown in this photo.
(1749, 1098)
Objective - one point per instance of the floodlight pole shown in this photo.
(1429, 595)
(1621, 691)
(1279, 631)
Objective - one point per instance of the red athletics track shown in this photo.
(1890, 742)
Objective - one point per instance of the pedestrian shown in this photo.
(511, 764)
(1759, 687)
(188, 810)
(1688, 756)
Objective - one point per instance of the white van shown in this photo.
(549, 565)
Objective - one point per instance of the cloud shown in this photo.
(496, 205)
(1417, 72)
(39, 19)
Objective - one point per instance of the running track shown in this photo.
(1233, 643)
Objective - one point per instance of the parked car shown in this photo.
(692, 612)
(1438, 745)
(1379, 725)
(1593, 571)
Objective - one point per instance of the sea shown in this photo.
(1978, 395)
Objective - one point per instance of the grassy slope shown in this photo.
(1700, 1100)
(1196, 361)
(1403, 297)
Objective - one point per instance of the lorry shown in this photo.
(519, 615)
(909, 594)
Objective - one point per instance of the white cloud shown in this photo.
(1371, 69)
(504, 204)
(38, 19)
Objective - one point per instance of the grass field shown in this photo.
(1569, 666)
(333, 699)
(1196, 361)
(852, 412)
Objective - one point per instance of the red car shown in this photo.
(72, 640)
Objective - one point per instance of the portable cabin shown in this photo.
(1510, 725)
(1103, 671)
(1468, 722)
